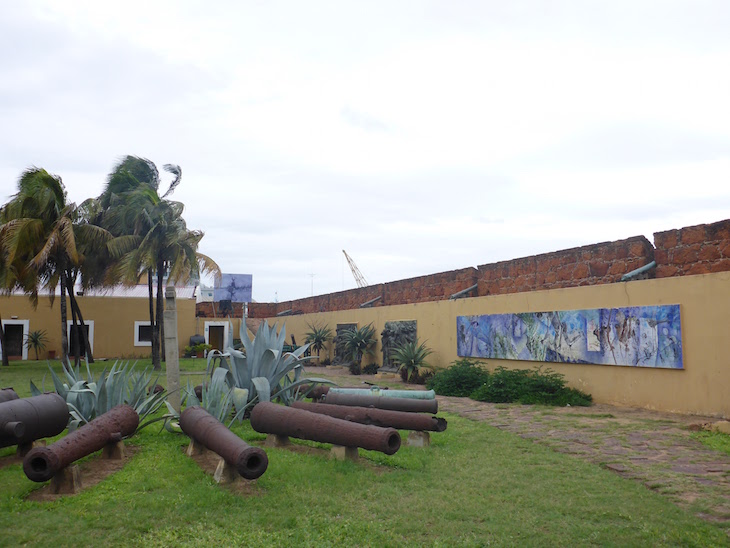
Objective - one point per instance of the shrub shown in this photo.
(411, 360)
(529, 386)
(422, 376)
(359, 342)
(460, 379)
(370, 369)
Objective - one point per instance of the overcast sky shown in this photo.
(419, 136)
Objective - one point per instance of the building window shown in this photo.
(142, 334)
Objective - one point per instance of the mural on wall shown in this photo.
(639, 336)
(395, 334)
(235, 288)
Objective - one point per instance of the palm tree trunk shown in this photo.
(82, 331)
(6, 361)
(155, 348)
(160, 302)
(64, 334)
(74, 329)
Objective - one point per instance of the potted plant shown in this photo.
(200, 350)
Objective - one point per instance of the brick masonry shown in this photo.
(700, 249)
(691, 250)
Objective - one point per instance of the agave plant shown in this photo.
(218, 397)
(262, 370)
(358, 342)
(88, 397)
(318, 336)
(411, 358)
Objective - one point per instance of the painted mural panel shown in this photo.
(638, 336)
(233, 287)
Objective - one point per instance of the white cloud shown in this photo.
(418, 136)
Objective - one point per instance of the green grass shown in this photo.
(716, 440)
(474, 486)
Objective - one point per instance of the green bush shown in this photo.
(460, 379)
(370, 369)
(529, 386)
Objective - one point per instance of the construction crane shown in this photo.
(359, 278)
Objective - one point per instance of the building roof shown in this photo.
(123, 292)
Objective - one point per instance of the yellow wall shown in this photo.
(113, 322)
(702, 387)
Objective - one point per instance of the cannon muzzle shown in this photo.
(250, 462)
(42, 463)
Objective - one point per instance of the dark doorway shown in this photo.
(14, 341)
(215, 337)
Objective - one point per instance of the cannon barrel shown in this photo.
(377, 417)
(270, 418)
(28, 419)
(42, 463)
(198, 424)
(409, 394)
(379, 402)
(7, 394)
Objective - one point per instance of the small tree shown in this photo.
(318, 337)
(358, 342)
(411, 358)
(36, 340)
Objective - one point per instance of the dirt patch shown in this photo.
(9, 460)
(93, 471)
(208, 462)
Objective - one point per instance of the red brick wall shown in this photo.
(690, 250)
(434, 287)
(213, 310)
(693, 250)
(588, 265)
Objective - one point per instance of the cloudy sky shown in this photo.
(419, 136)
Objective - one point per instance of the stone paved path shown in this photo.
(654, 448)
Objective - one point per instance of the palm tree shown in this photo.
(37, 341)
(318, 336)
(151, 235)
(410, 358)
(358, 342)
(37, 235)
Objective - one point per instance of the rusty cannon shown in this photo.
(201, 426)
(25, 420)
(385, 392)
(7, 394)
(42, 463)
(377, 417)
(380, 402)
(270, 418)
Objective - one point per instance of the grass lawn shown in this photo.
(475, 486)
